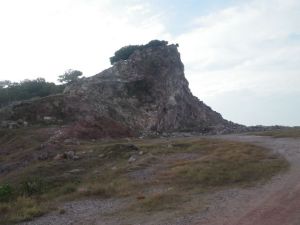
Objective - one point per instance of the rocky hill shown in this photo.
(145, 94)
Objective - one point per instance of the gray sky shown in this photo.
(241, 57)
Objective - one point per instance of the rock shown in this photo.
(101, 155)
(132, 159)
(43, 156)
(145, 95)
(25, 124)
(59, 157)
(70, 155)
(141, 152)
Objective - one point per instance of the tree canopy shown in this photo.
(69, 76)
(26, 89)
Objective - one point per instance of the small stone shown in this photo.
(141, 152)
(70, 154)
(76, 157)
(43, 156)
(114, 168)
(59, 157)
(131, 159)
(101, 155)
(76, 171)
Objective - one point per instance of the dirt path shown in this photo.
(275, 203)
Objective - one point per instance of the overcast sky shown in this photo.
(242, 57)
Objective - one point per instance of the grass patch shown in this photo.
(227, 164)
(285, 133)
(158, 202)
(22, 209)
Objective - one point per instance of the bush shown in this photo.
(125, 52)
(32, 186)
(5, 193)
(156, 43)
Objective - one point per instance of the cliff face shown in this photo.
(146, 93)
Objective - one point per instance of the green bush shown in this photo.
(5, 192)
(125, 52)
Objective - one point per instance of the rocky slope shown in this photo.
(145, 94)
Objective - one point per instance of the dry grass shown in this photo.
(104, 171)
(286, 133)
(158, 202)
(227, 164)
(22, 209)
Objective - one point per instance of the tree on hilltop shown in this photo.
(69, 76)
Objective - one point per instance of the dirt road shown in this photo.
(274, 203)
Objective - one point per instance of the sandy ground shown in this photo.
(274, 203)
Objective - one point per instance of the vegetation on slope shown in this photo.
(180, 168)
(125, 52)
(27, 89)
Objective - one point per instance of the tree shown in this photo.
(27, 89)
(4, 83)
(70, 76)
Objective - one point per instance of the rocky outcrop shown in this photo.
(147, 93)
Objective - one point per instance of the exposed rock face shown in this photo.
(146, 93)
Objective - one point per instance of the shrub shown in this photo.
(125, 52)
(32, 186)
(156, 43)
(5, 192)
